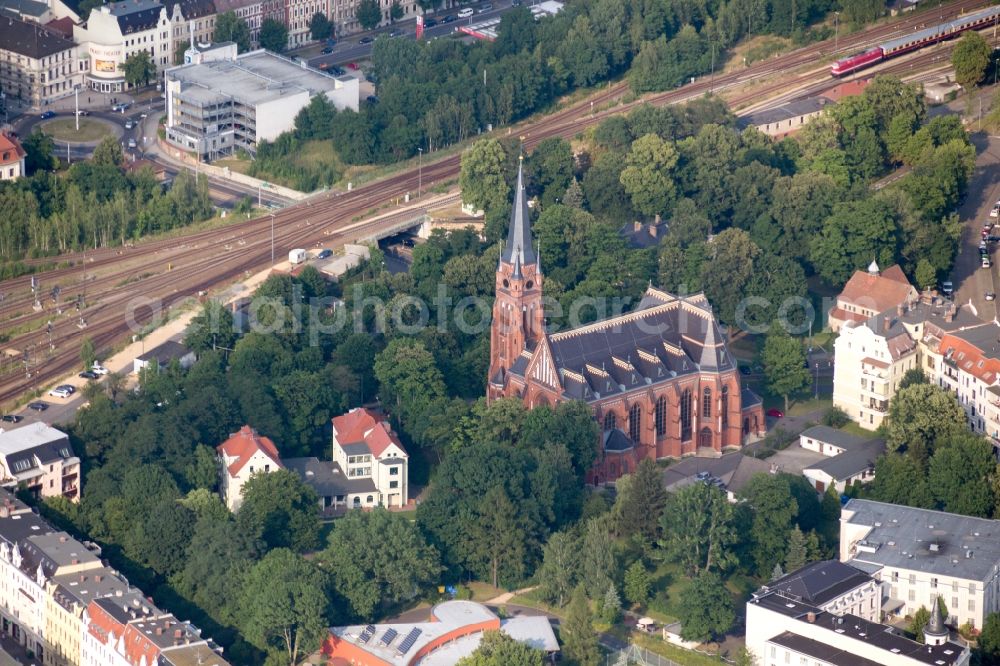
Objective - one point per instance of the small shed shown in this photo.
(672, 634)
(162, 355)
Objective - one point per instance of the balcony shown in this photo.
(878, 405)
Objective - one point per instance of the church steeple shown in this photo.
(519, 245)
(518, 317)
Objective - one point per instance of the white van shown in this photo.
(465, 13)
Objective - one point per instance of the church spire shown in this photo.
(519, 236)
(709, 351)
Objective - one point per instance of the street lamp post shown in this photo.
(272, 240)
(76, 102)
(836, 31)
(420, 170)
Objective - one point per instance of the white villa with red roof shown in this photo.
(245, 453)
(870, 293)
(365, 447)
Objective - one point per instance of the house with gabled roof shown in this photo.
(870, 292)
(244, 454)
(365, 447)
(659, 379)
(40, 459)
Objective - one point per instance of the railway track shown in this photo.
(175, 269)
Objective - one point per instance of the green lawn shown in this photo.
(670, 651)
(64, 129)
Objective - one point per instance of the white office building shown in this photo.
(215, 108)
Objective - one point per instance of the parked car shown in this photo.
(38, 406)
(450, 18)
(986, 262)
(327, 50)
(990, 296)
(485, 8)
(132, 144)
(63, 391)
(338, 71)
(430, 23)
(397, 33)
(368, 39)
(371, 99)
(995, 211)
(744, 370)
(83, 112)
(129, 124)
(992, 238)
(352, 65)
(466, 12)
(323, 254)
(701, 476)
(47, 114)
(947, 288)
(100, 369)
(775, 413)
(88, 374)
(11, 418)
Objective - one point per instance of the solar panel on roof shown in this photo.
(408, 642)
(388, 636)
(367, 634)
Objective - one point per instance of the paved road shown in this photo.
(349, 49)
(984, 189)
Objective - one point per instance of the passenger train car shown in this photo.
(917, 40)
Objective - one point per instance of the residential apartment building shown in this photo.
(872, 356)
(37, 65)
(299, 13)
(11, 158)
(343, 13)
(869, 293)
(40, 459)
(919, 555)
(967, 363)
(115, 31)
(365, 447)
(216, 108)
(253, 12)
(50, 586)
(244, 454)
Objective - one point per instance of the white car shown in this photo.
(466, 13)
(986, 262)
(995, 211)
(99, 369)
(63, 391)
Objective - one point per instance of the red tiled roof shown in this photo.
(362, 425)
(968, 358)
(102, 624)
(877, 292)
(847, 89)
(840, 314)
(243, 445)
(63, 25)
(138, 645)
(12, 147)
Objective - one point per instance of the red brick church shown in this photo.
(660, 379)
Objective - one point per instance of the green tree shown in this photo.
(784, 363)
(970, 58)
(550, 168)
(648, 175)
(598, 558)
(707, 609)
(920, 416)
(369, 14)
(926, 274)
(558, 573)
(798, 553)
(573, 197)
(920, 619)
(482, 176)
(637, 584)
(578, 636)
(273, 35)
(611, 606)
(835, 417)
(231, 28)
(86, 6)
(901, 479)
(378, 559)
(409, 379)
(108, 153)
(320, 26)
(640, 501)
(989, 639)
(88, 356)
(501, 537)
(179, 50)
(211, 328)
(860, 12)
(279, 509)
(498, 649)
(39, 149)
(856, 233)
(396, 11)
(284, 605)
(959, 473)
(698, 529)
(912, 377)
(219, 557)
(734, 249)
(139, 69)
(769, 496)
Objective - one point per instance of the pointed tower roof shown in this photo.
(709, 349)
(935, 626)
(519, 236)
(873, 268)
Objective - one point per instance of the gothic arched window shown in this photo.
(686, 415)
(725, 406)
(661, 416)
(610, 422)
(635, 422)
(706, 403)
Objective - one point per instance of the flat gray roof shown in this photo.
(904, 537)
(85, 586)
(28, 437)
(838, 438)
(254, 78)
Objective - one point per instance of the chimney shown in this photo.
(900, 309)
(654, 230)
(159, 631)
(62, 538)
(177, 633)
(636, 225)
(949, 315)
(886, 323)
(811, 617)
